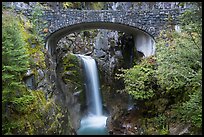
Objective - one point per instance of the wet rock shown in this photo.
(118, 54)
(102, 41)
(99, 53)
(88, 53)
(40, 74)
(179, 129)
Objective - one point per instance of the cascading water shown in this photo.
(95, 122)
(92, 85)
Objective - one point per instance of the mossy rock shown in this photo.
(71, 73)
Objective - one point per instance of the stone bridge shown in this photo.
(144, 25)
(75, 20)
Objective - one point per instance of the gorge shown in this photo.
(127, 68)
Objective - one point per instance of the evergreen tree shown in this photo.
(14, 64)
(14, 58)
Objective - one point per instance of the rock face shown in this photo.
(125, 123)
(70, 82)
(63, 81)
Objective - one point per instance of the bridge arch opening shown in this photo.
(143, 42)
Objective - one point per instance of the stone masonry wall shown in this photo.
(149, 17)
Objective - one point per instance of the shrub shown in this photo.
(140, 81)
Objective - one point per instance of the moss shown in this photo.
(34, 47)
(35, 117)
(72, 73)
(163, 132)
(70, 128)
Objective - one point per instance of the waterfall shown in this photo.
(92, 85)
(95, 122)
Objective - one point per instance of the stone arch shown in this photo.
(144, 42)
